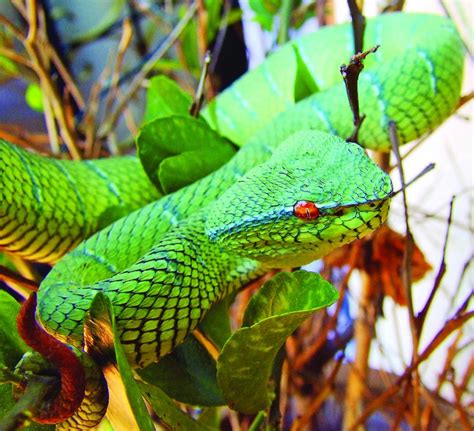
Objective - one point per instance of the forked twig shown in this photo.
(350, 73)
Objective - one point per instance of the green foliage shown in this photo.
(34, 97)
(101, 315)
(167, 411)
(176, 151)
(165, 98)
(213, 8)
(189, 45)
(216, 324)
(265, 11)
(281, 305)
(188, 375)
(13, 346)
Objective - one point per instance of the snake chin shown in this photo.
(289, 242)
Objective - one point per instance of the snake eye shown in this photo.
(305, 210)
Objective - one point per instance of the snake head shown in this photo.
(317, 192)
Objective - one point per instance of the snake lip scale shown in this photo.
(291, 194)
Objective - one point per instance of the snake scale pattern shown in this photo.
(169, 260)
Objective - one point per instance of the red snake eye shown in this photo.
(306, 210)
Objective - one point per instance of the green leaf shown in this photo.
(213, 8)
(281, 305)
(176, 151)
(100, 322)
(187, 375)
(216, 324)
(5, 261)
(165, 98)
(265, 11)
(34, 97)
(12, 346)
(167, 411)
(189, 45)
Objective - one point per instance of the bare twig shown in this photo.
(199, 95)
(464, 99)
(317, 402)
(285, 19)
(451, 325)
(110, 123)
(407, 272)
(393, 6)
(207, 343)
(420, 318)
(350, 74)
(125, 39)
(358, 26)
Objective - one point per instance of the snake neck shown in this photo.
(157, 301)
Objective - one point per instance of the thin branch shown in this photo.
(207, 343)
(285, 19)
(449, 327)
(316, 404)
(464, 99)
(147, 67)
(407, 272)
(420, 318)
(393, 6)
(350, 74)
(358, 26)
(199, 95)
(125, 39)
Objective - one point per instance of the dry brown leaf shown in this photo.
(381, 257)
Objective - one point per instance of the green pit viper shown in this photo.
(291, 194)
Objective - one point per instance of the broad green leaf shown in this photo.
(164, 98)
(12, 346)
(281, 305)
(187, 375)
(167, 411)
(100, 322)
(178, 150)
(34, 97)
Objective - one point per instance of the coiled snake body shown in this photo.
(165, 265)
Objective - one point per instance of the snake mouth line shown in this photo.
(352, 219)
